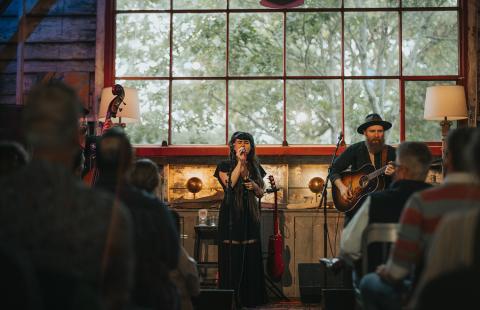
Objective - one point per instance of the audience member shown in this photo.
(456, 289)
(157, 244)
(12, 157)
(419, 219)
(412, 163)
(64, 227)
(457, 240)
(185, 276)
(145, 175)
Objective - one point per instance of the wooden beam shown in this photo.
(20, 51)
(472, 62)
(99, 59)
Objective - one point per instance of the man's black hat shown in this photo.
(373, 119)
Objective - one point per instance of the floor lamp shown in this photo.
(445, 103)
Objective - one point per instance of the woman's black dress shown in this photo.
(245, 275)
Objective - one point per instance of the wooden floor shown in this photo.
(284, 305)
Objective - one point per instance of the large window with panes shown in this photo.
(207, 68)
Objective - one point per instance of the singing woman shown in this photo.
(239, 249)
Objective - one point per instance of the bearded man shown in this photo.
(372, 151)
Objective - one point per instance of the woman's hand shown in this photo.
(242, 155)
(252, 186)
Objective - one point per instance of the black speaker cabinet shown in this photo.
(338, 298)
(215, 299)
(311, 277)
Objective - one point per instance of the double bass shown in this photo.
(113, 108)
(275, 264)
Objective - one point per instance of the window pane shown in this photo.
(143, 4)
(371, 3)
(153, 126)
(142, 45)
(255, 4)
(199, 44)
(314, 44)
(371, 43)
(429, 3)
(416, 128)
(257, 107)
(314, 111)
(363, 97)
(256, 44)
(430, 43)
(199, 4)
(198, 112)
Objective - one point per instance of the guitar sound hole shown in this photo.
(363, 181)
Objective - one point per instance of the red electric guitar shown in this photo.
(275, 262)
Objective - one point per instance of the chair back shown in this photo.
(385, 233)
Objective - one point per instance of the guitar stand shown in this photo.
(273, 288)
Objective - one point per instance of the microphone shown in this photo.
(341, 140)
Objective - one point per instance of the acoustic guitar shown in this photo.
(361, 182)
(275, 264)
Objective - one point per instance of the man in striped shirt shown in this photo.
(422, 213)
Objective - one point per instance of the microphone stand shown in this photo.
(230, 202)
(323, 201)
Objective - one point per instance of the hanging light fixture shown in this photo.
(281, 4)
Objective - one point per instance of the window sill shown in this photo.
(262, 150)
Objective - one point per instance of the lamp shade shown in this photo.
(445, 102)
(130, 112)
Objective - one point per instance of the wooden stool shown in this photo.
(205, 236)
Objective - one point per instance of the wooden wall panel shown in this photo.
(60, 51)
(60, 38)
(7, 86)
(70, 7)
(61, 29)
(8, 51)
(9, 27)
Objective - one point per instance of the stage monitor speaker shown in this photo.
(311, 281)
(338, 298)
(215, 299)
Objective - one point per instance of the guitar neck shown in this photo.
(377, 173)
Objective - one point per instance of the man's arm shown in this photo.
(169, 236)
(340, 164)
(118, 259)
(351, 240)
(407, 249)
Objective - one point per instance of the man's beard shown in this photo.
(375, 145)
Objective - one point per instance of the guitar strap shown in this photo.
(384, 156)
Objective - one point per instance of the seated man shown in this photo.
(423, 211)
(456, 243)
(412, 163)
(65, 228)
